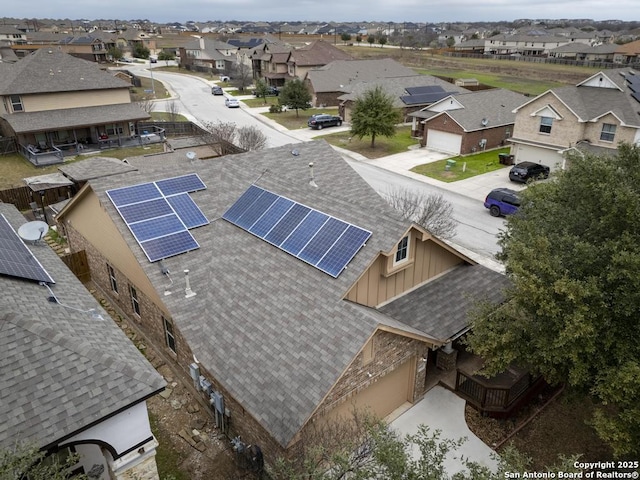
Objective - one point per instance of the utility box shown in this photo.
(506, 159)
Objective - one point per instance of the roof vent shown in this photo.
(484, 122)
(188, 293)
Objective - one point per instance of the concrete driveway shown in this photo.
(443, 410)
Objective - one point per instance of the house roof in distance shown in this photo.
(64, 365)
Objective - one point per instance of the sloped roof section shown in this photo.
(50, 70)
(282, 334)
(62, 370)
(318, 52)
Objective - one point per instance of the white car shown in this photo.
(232, 102)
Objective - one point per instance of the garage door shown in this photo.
(381, 397)
(528, 153)
(444, 141)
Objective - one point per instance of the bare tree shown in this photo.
(251, 138)
(147, 105)
(222, 137)
(241, 76)
(173, 109)
(430, 211)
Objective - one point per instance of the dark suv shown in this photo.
(322, 120)
(270, 92)
(523, 171)
(502, 201)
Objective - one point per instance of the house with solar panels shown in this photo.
(282, 286)
(468, 122)
(70, 379)
(409, 94)
(595, 115)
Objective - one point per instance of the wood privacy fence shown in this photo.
(22, 197)
(78, 264)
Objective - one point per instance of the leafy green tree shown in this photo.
(166, 56)
(371, 39)
(114, 53)
(345, 37)
(358, 39)
(573, 256)
(261, 89)
(451, 42)
(294, 94)
(374, 114)
(26, 461)
(382, 40)
(140, 51)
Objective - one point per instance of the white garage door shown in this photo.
(444, 141)
(546, 156)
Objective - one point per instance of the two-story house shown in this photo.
(71, 379)
(206, 52)
(315, 55)
(597, 113)
(279, 281)
(54, 104)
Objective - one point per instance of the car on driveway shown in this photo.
(232, 102)
(502, 201)
(216, 90)
(322, 120)
(524, 171)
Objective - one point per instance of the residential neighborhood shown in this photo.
(160, 241)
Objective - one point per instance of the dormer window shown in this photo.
(16, 103)
(402, 253)
(545, 125)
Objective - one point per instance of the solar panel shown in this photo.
(134, 194)
(160, 214)
(184, 184)
(636, 96)
(165, 247)
(16, 260)
(316, 238)
(422, 98)
(424, 89)
(187, 210)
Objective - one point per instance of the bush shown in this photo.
(276, 108)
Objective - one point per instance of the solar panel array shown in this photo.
(160, 214)
(633, 82)
(422, 98)
(424, 89)
(314, 237)
(16, 259)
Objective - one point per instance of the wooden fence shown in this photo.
(22, 197)
(78, 264)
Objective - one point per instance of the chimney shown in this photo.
(201, 43)
(188, 293)
(312, 181)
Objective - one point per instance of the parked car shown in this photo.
(523, 171)
(232, 102)
(271, 92)
(502, 201)
(322, 120)
(216, 90)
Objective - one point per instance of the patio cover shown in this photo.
(28, 122)
(47, 182)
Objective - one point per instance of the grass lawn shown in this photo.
(289, 119)
(139, 93)
(167, 117)
(465, 167)
(13, 168)
(384, 146)
(260, 102)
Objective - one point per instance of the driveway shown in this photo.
(443, 410)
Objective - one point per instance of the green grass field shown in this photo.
(461, 167)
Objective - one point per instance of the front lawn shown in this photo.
(384, 146)
(289, 119)
(260, 102)
(464, 166)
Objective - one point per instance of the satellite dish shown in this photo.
(191, 155)
(33, 231)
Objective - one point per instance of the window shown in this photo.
(403, 250)
(114, 130)
(608, 132)
(135, 303)
(16, 103)
(545, 124)
(112, 278)
(168, 333)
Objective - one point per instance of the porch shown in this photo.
(499, 396)
(52, 152)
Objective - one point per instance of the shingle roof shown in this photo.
(25, 122)
(272, 329)
(318, 52)
(446, 302)
(49, 70)
(95, 167)
(60, 369)
(335, 76)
